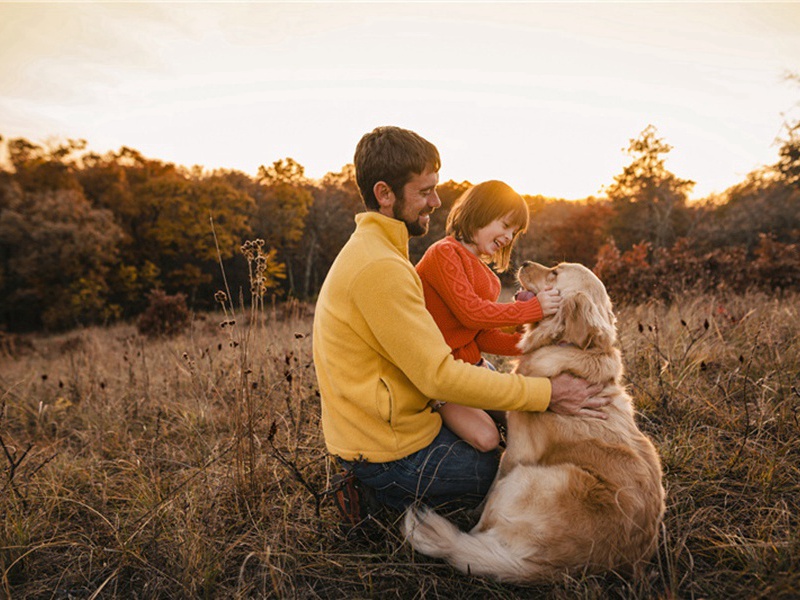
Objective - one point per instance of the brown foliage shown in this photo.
(643, 273)
(166, 315)
(57, 250)
(149, 223)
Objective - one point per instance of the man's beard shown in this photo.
(415, 228)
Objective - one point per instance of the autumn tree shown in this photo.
(329, 224)
(648, 201)
(579, 236)
(174, 228)
(564, 230)
(57, 250)
(108, 182)
(166, 213)
(46, 167)
(281, 196)
(282, 201)
(111, 182)
(767, 202)
(788, 165)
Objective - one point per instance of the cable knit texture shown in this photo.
(461, 293)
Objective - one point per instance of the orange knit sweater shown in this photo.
(461, 293)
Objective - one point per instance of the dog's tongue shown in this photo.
(524, 295)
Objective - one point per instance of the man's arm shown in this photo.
(389, 296)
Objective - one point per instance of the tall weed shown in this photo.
(194, 465)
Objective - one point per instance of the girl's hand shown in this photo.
(550, 300)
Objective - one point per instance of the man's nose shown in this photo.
(435, 201)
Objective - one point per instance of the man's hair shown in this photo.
(480, 205)
(392, 155)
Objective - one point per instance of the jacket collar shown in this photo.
(393, 230)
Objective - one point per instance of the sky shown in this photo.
(544, 96)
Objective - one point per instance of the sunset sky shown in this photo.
(544, 96)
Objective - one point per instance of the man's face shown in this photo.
(417, 201)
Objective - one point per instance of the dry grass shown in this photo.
(194, 467)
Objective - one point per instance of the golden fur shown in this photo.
(572, 494)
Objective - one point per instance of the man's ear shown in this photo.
(384, 195)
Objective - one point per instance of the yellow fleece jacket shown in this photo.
(379, 356)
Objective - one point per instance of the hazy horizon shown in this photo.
(544, 96)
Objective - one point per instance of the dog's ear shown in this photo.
(586, 324)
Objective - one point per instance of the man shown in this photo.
(380, 358)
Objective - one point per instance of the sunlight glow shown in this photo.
(544, 96)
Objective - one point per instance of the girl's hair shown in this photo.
(482, 204)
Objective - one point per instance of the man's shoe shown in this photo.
(346, 495)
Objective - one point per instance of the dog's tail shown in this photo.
(471, 553)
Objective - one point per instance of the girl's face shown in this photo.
(494, 236)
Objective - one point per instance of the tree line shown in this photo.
(646, 240)
(85, 238)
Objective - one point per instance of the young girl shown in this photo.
(461, 292)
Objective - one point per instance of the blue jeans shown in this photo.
(449, 473)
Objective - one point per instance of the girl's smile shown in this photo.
(492, 238)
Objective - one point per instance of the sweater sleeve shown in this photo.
(390, 299)
(498, 342)
(446, 275)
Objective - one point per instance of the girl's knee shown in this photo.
(486, 439)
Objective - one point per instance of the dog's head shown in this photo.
(585, 318)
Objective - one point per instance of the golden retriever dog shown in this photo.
(573, 494)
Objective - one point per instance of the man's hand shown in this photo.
(573, 396)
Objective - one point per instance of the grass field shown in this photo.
(194, 466)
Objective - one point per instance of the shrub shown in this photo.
(777, 265)
(643, 273)
(165, 315)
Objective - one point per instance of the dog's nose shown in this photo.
(527, 263)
